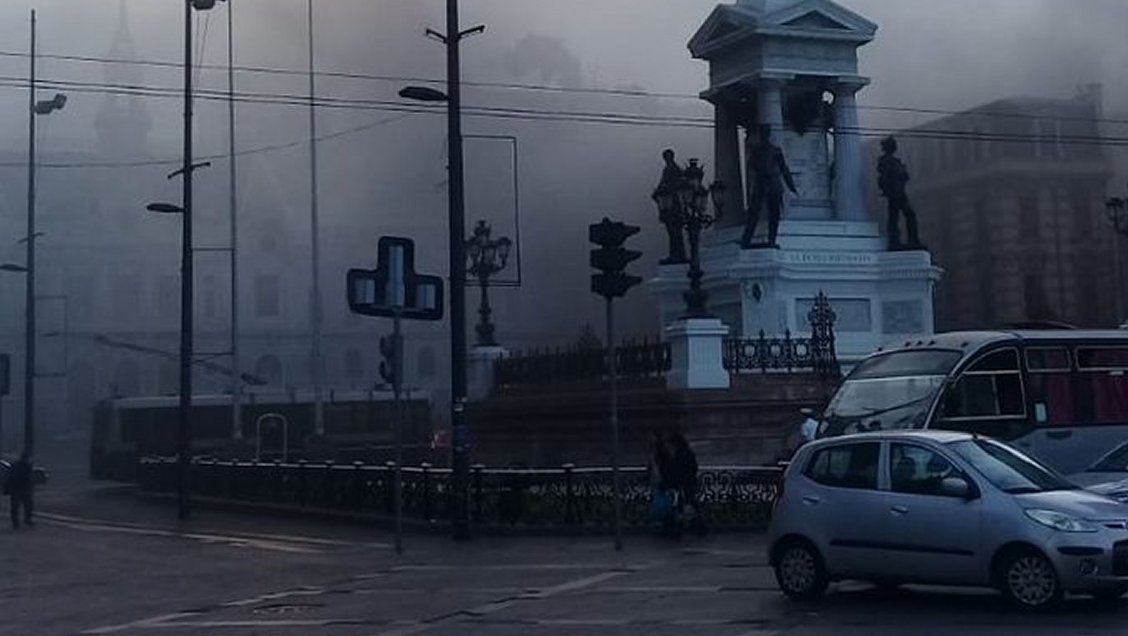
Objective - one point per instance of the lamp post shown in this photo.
(1117, 210)
(691, 199)
(460, 431)
(35, 109)
(487, 257)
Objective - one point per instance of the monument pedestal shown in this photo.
(879, 296)
(697, 353)
(480, 371)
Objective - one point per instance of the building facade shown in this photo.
(1010, 197)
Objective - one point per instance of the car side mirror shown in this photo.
(957, 487)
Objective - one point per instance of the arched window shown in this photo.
(269, 369)
(168, 378)
(354, 367)
(425, 363)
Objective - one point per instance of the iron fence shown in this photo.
(635, 360)
(567, 498)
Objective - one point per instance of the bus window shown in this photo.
(990, 389)
(1102, 384)
(1046, 359)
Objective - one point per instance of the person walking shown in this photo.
(19, 487)
(663, 484)
(809, 429)
(685, 470)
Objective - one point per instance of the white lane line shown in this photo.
(512, 567)
(141, 624)
(657, 589)
(288, 538)
(571, 586)
(312, 591)
(233, 541)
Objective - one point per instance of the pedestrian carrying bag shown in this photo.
(663, 505)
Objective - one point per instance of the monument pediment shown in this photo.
(815, 17)
(726, 25)
(730, 24)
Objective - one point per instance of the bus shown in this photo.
(1061, 395)
(358, 426)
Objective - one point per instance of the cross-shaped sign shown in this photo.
(393, 289)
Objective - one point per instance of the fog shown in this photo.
(384, 172)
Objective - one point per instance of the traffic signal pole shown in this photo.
(610, 259)
(613, 372)
(391, 369)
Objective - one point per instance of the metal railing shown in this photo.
(635, 360)
(567, 498)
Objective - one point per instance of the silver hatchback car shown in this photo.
(943, 508)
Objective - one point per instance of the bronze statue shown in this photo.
(892, 177)
(767, 174)
(670, 211)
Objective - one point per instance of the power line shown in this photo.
(637, 93)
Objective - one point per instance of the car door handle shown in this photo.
(810, 501)
(899, 510)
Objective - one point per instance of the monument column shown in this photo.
(769, 102)
(726, 145)
(849, 171)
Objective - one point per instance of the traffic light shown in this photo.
(611, 258)
(389, 366)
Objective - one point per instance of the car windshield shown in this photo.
(891, 391)
(1114, 462)
(1008, 469)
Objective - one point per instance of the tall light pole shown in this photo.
(1117, 209)
(35, 108)
(187, 269)
(460, 431)
(318, 366)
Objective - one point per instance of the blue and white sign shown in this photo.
(394, 288)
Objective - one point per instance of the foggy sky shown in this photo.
(949, 54)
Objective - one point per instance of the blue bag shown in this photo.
(663, 505)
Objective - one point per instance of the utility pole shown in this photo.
(317, 363)
(29, 309)
(186, 282)
(236, 379)
(460, 430)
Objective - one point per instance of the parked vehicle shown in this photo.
(1059, 395)
(943, 507)
(1108, 475)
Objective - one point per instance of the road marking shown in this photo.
(657, 589)
(312, 591)
(232, 541)
(572, 586)
(512, 567)
(287, 538)
(144, 623)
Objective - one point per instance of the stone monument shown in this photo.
(793, 65)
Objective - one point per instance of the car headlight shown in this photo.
(1060, 521)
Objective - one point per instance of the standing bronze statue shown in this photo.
(767, 174)
(670, 211)
(892, 178)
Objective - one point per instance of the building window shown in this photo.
(209, 298)
(268, 301)
(1048, 144)
(127, 379)
(168, 297)
(268, 368)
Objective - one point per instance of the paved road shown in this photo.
(99, 562)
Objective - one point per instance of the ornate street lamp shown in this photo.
(693, 198)
(1117, 210)
(487, 257)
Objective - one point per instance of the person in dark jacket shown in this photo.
(685, 471)
(19, 490)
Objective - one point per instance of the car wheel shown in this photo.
(1029, 580)
(799, 571)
